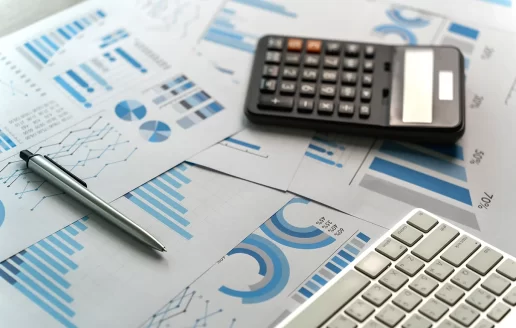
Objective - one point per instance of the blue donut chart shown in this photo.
(130, 110)
(155, 131)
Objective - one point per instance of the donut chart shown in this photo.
(130, 110)
(155, 131)
(2, 213)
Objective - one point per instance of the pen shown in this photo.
(54, 173)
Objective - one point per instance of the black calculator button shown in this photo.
(364, 111)
(369, 51)
(273, 57)
(327, 91)
(287, 87)
(331, 62)
(292, 58)
(346, 109)
(352, 50)
(274, 43)
(276, 102)
(313, 46)
(310, 74)
(333, 48)
(329, 76)
(367, 80)
(325, 107)
(268, 86)
(270, 71)
(312, 60)
(350, 64)
(349, 78)
(368, 66)
(307, 89)
(347, 93)
(305, 105)
(290, 73)
(294, 44)
(366, 95)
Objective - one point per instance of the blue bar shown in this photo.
(159, 217)
(36, 53)
(234, 35)
(86, 21)
(175, 82)
(129, 59)
(205, 111)
(243, 143)
(346, 256)
(317, 148)
(454, 151)
(168, 190)
(69, 240)
(50, 42)
(171, 214)
(101, 14)
(72, 231)
(43, 267)
(339, 262)
(80, 225)
(48, 259)
(169, 179)
(58, 255)
(320, 280)
(223, 23)
(71, 29)
(40, 45)
(319, 158)
(351, 249)
(182, 167)
(422, 180)
(63, 33)
(332, 267)
(60, 244)
(3, 144)
(78, 25)
(164, 198)
(267, 5)
(228, 11)
(324, 141)
(305, 292)
(416, 157)
(74, 93)
(77, 79)
(229, 42)
(468, 32)
(215, 107)
(7, 139)
(312, 286)
(95, 76)
(180, 176)
(363, 237)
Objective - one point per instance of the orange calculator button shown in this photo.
(313, 46)
(295, 44)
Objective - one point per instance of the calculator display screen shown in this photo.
(418, 84)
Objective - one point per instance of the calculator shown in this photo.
(404, 92)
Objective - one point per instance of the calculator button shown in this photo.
(410, 265)
(372, 265)
(364, 111)
(498, 312)
(407, 235)
(290, 73)
(294, 44)
(313, 46)
(309, 74)
(433, 309)
(480, 299)
(273, 57)
(465, 279)
(416, 321)
(369, 51)
(359, 310)
(352, 50)
(367, 80)
(268, 86)
(508, 269)
(390, 315)
(349, 78)
(307, 89)
(333, 48)
(460, 251)
(391, 249)
(435, 242)
(331, 62)
(424, 285)
(329, 76)
(327, 91)
(377, 295)
(407, 300)
(449, 294)
(439, 270)
(312, 60)
(274, 43)
(368, 66)
(394, 280)
(270, 71)
(341, 322)
(350, 64)
(292, 58)
(484, 261)
(288, 88)
(366, 95)
(464, 315)
(305, 105)
(496, 284)
(346, 109)
(347, 93)
(325, 107)
(276, 102)
(422, 221)
(448, 324)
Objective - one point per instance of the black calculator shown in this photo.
(414, 93)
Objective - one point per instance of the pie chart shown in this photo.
(155, 131)
(2, 213)
(130, 110)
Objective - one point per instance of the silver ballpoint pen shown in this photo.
(77, 189)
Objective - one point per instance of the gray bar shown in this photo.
(56, 38)
(416, 199)
(357, 243)
(298, 298)
(99, 64)
(327, 274)
(93, 17)
(465, 47)
(29, 58)
(282, 316)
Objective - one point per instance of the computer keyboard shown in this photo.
(425, 272)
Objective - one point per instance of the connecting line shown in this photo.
(83, 140)
(184, 295)
(45, 197)
(112, 163)
(15, 174)
(83, 162)
(205, 317)
(9, 163)
(25, 191)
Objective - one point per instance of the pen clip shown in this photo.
(76, 178)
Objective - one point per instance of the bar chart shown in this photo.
(462, 37)
(200, 115)
(325, 149)
(113, 38)
(243, 146)
(191, 101)
(169, 90)
(6, 142)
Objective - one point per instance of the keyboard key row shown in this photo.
(316, 46)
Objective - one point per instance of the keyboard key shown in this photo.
(309, 74)
(480, 299)
(270, 71)
(312, 60)
(346, 109)
(484, 261)
(313, 46)
(464, 314)
(498, 312)
(268, 86)
(460, 251)
(439, 270)
(448, 324)
(465, 279)
(349, 78)
(327, 91)
(377, 295)
(294, 44)
(416, 321)
(407, 300)
(307, 89)
(433, 309)
(333, 48)
(352, 50)
(290, 73)
(292, 59)
(326, 107)
(496, 284)
(391, 248)
(373, 324)
(368, 66)
(394, 280)
(273, 57)
(422, 221)
(366, 95)
(364, 111)
(424, 285)
(407, 235)
(359, 310)
(331, 62)
(369, 51)
(483, 323)
(410, 265)
(276, 102)
(373, 264)
(305, 105)
(449, 294)
(390, 315)
(347, 93)
(341, 322)
(435, 242)
(367, 80)
(287, 88)
(510, 298)
(350, 64)
(508, 269)
(329, 76)
(275, 43)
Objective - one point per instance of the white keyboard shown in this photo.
(425, 272)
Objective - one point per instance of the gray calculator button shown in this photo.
(327, 90)
(367, 80)
(480, 299)
(448, 324)
(359, 310)
(329, 76)
(407, 300)
(407, 235)
(391, 248)
(364, 111)
(368, 66)
(390, 315)
(460, 251)
(273, 57)
(290, 73)
(270, 70)
(372, 265)
(349, 78)
(410, 265)
(464, 314)
(433, 309)
(366, 95)
(373, 324)
(292, 59)
(377, 295)
(333, 48)
(287, 87)
(347, 93)
(307, 89)
(331, 62)
(346, 108)
(341, 322)
(498, 312)
(326, 107)
(305, 105)
(267, 85)
(510, 298)
(484, 261)
(465, 279)
(350, 64)
(439, 270)
(496, 284)
(369, 51)
(449, 294)
(508, 269)
(416, 321)
(422, 221)
(352, 49)
(309, 74)
(393, 279)
(424, 285)
(275, 43)
(435, 242)
(483, 323)
(312, 60)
